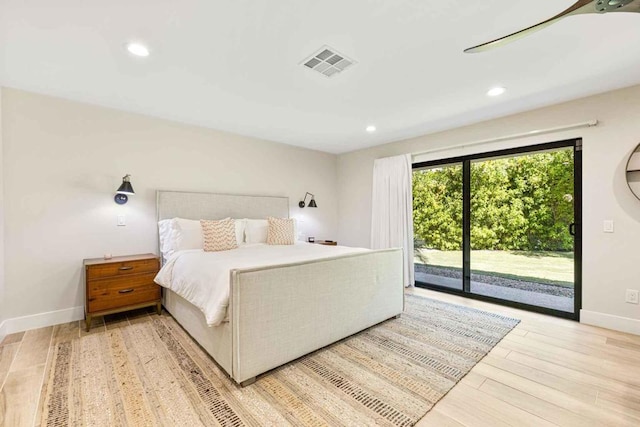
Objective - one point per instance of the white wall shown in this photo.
(64, 160)
(610, 261)
(2, 296)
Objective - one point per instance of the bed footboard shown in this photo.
(280, 313)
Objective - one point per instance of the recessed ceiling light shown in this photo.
(371, 128)
(137, 49)
(496, 91)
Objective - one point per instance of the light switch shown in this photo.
(607, 226)
(122, 220)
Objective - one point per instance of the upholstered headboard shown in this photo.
(171, 204)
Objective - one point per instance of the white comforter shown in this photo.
(202, 278)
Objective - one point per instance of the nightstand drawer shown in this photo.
(117, 298)
(113, 286)
(122, 268)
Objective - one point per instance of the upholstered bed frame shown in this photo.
(280, 313)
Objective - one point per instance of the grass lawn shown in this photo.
(544, 267)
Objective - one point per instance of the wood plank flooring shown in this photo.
(546, 372)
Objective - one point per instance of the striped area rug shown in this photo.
(154, 374)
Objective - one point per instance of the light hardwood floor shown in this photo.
(546, 372)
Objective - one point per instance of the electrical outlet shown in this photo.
(122, 220)
(607, 226)
(631, 296)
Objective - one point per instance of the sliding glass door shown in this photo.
(437, 219)
(503, 226)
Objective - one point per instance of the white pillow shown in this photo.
(240, 226)
(256, 230)
(167, 238)
(188, 234)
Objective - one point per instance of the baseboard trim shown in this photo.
(40, 320)
(50, 318)
(3, 332)
(610, 321)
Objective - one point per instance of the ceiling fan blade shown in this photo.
(579, 7)
(511, 37)
(634, 6)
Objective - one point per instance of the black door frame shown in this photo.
(466, 223)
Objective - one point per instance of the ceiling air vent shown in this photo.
(328, 62)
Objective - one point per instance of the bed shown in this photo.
(279, 312)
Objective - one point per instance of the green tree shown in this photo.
(517, 203)
(437, 209)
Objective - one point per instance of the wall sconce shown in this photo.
(124, 190)
(312, 202)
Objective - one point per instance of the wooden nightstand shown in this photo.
(120, 284)
(327, 242)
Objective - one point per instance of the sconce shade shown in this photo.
(125, 187)
(312, 202)
(124, 191)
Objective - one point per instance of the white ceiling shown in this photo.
(234, 64)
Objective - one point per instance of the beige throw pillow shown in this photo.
(281, 231)
(219, 235)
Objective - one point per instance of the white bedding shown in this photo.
(202, 278)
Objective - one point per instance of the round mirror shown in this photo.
(633, 172)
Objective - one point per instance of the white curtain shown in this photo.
(392, 209)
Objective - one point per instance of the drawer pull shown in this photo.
(126, 291)
(125, 268)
